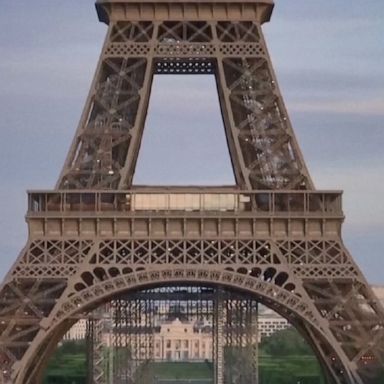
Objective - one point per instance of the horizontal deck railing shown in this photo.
(268, 202)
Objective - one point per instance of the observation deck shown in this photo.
(133, 10)
(184, 212)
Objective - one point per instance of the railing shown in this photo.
(294, 202)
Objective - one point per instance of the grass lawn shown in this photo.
(182, 370)
(290, 369)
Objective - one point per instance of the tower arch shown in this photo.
(284, 302)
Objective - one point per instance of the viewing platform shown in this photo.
(182, 200)
(211, 213)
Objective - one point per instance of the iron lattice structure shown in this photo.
(273, 235)
(227, 318)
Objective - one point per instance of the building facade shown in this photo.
(181, 341)
(270, 322)
(77, 331)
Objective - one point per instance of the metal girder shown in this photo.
(95, 348)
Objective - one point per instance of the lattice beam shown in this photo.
(264, 152)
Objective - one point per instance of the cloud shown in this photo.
(358, 107)
(336, 12)
(322, 36)
(331, 82)
(363, 187)
(46, 75)
(367, 251)
(363, 229)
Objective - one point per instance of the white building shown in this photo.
(179, 340)
(77, 331)
(172, 335)
(270, 322)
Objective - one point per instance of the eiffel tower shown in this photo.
(273, 235)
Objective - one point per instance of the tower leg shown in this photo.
(218, 337)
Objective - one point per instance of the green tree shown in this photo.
(286, 358)
(68, 364)
(284, 343)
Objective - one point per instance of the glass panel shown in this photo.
(296, 202)
(192, 202)
(315, 202)
(228, 202)
(332, 202)
(122, 202)
(107, 201)
(281, 202)
(209, 202)
(72, 202)
(263, 201)
(148, 201)
(88, 201)
(160, 201)
(37, 202)
(244, 202)
(54, 202)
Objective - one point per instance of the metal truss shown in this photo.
(95, 347)
(261, 141)
(328, 299)
(135, 317)
(235, 338)
(273, 235)
(131, 346)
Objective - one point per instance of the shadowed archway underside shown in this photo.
(273, 235)
(286, 303)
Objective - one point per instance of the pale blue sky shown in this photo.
(329, 59)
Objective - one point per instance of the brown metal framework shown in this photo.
(273, 235)
(95, 329)
(133, 319)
